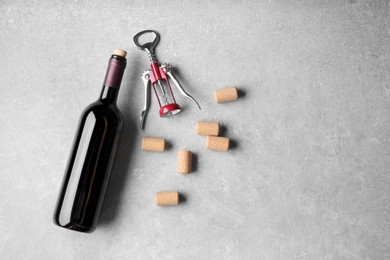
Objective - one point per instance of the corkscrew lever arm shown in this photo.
(170, 74)
(147, 85)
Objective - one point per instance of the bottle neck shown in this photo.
(109, 95)
(112, 81)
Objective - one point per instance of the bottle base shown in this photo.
(77, 227)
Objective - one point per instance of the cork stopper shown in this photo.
(120, 52)
(153, 144)
(217, 143)
(207, 128)
(184, 162)
(224, 95)
(167, 198)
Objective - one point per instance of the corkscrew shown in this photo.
(158, 77)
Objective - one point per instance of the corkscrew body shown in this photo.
(158, 78)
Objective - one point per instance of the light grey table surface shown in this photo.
(308, 179)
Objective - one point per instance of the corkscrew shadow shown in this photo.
(120, 175)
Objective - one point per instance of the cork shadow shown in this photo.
(168, 145)
(182, 198)
(223, 130)
(194, 165)
(233, 144)
(241, 93)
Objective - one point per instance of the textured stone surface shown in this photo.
(308, 179)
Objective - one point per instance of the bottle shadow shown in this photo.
(120, 174)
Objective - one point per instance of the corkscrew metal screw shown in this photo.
(158, 77)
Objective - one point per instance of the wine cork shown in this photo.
(217, 143)
(120, 52)
(184, 162)
(225, 95)
(167, 198)
(153, 144)
(207, 128)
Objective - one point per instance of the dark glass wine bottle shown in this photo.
(92, 155)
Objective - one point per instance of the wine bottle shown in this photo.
(91, 159)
